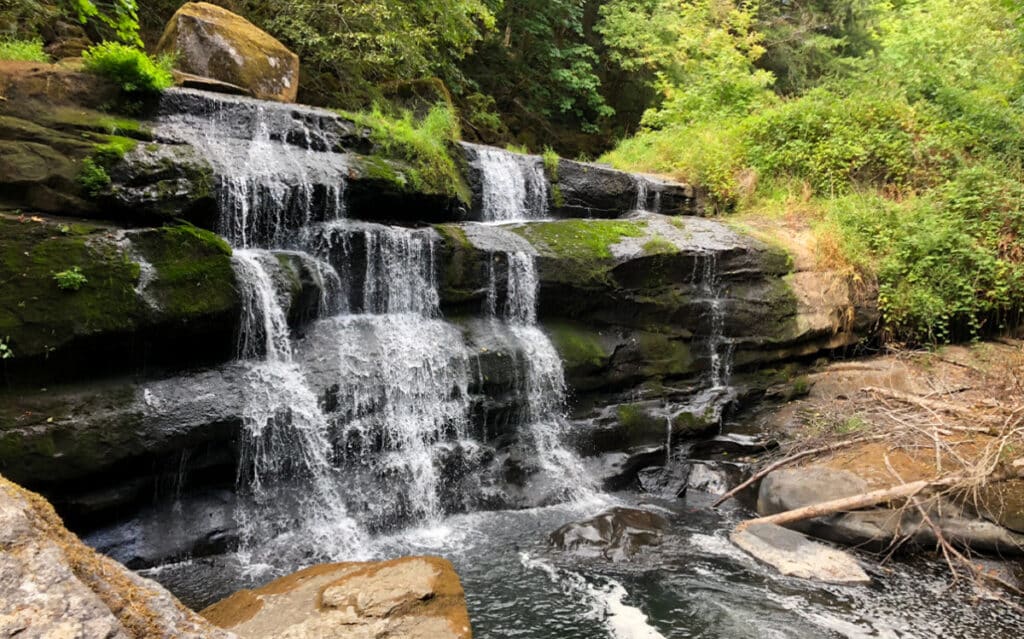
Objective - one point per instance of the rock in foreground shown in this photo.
(52, 585)
(212, 42)
(410, 598)
(794, 555)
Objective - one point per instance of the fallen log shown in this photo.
(793, 458)
(875, 497)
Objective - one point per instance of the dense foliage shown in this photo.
(136, 72)
(893, 128)
(904, 150)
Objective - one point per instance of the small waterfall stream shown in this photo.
(514, 185)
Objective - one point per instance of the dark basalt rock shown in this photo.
(194, 526)
(617, 534)
(592, 190)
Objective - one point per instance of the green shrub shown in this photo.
(136, 72)
(93, 178)
(25, 50)
(426, 144)
(71, 279)
(551, 159)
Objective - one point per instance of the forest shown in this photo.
(893, 130)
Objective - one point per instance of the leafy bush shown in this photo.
(25, 50)
(71, 279)
(136, 72)
(93, 178)
(425, 144)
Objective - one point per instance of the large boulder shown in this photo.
(410, 598)
(53, 585)
(879, 528)
(210, 41)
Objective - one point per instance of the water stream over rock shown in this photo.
(375, 423)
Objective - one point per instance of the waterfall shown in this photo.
(400, 385)
(400, 275)
(274, 172)
(514, 186)
(358, 420)
(284, 456)
(543, 383)
(643, 196)
(708, 279)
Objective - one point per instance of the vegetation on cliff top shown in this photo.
(903, 151)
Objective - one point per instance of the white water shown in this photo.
(707, 276)
(607, 603)
(643, 196)
(287, 436)
(514, 185)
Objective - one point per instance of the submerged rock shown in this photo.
(52, 585)
(617, 534)
(794, 555)
(209, 41)
(410, 598)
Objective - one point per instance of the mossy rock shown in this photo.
(192, 284)
(213, 42)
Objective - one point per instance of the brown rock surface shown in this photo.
(409, 598)
(52, 585)
(216, 43)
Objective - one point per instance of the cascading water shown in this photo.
(275, 172)
(514, 185)
(643, 196)
(285, 454)
(543, 383)
(361, 422)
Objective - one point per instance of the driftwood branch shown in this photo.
(789, 460)
(875, 497)
(930, 404)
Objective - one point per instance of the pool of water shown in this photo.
(694, 584)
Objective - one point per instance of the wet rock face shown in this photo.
(52, 585)
(617, 534)
(214, 42)
(411, 598)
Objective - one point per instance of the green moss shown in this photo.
(93, 178)
(461, 276)
(578, 347)
(557, 197)
(551, 160)
(37, 315)
(426, 144)
(580, 239)
(194, 277)
(659, 245)
(23, 50)
(664, 356)
(638, 424)
(113, 151)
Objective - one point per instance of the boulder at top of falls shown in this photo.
(53, 585)
(794, 555)
(616, 534)
(410, 598)
(213, 42)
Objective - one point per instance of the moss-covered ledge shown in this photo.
(72, 290)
